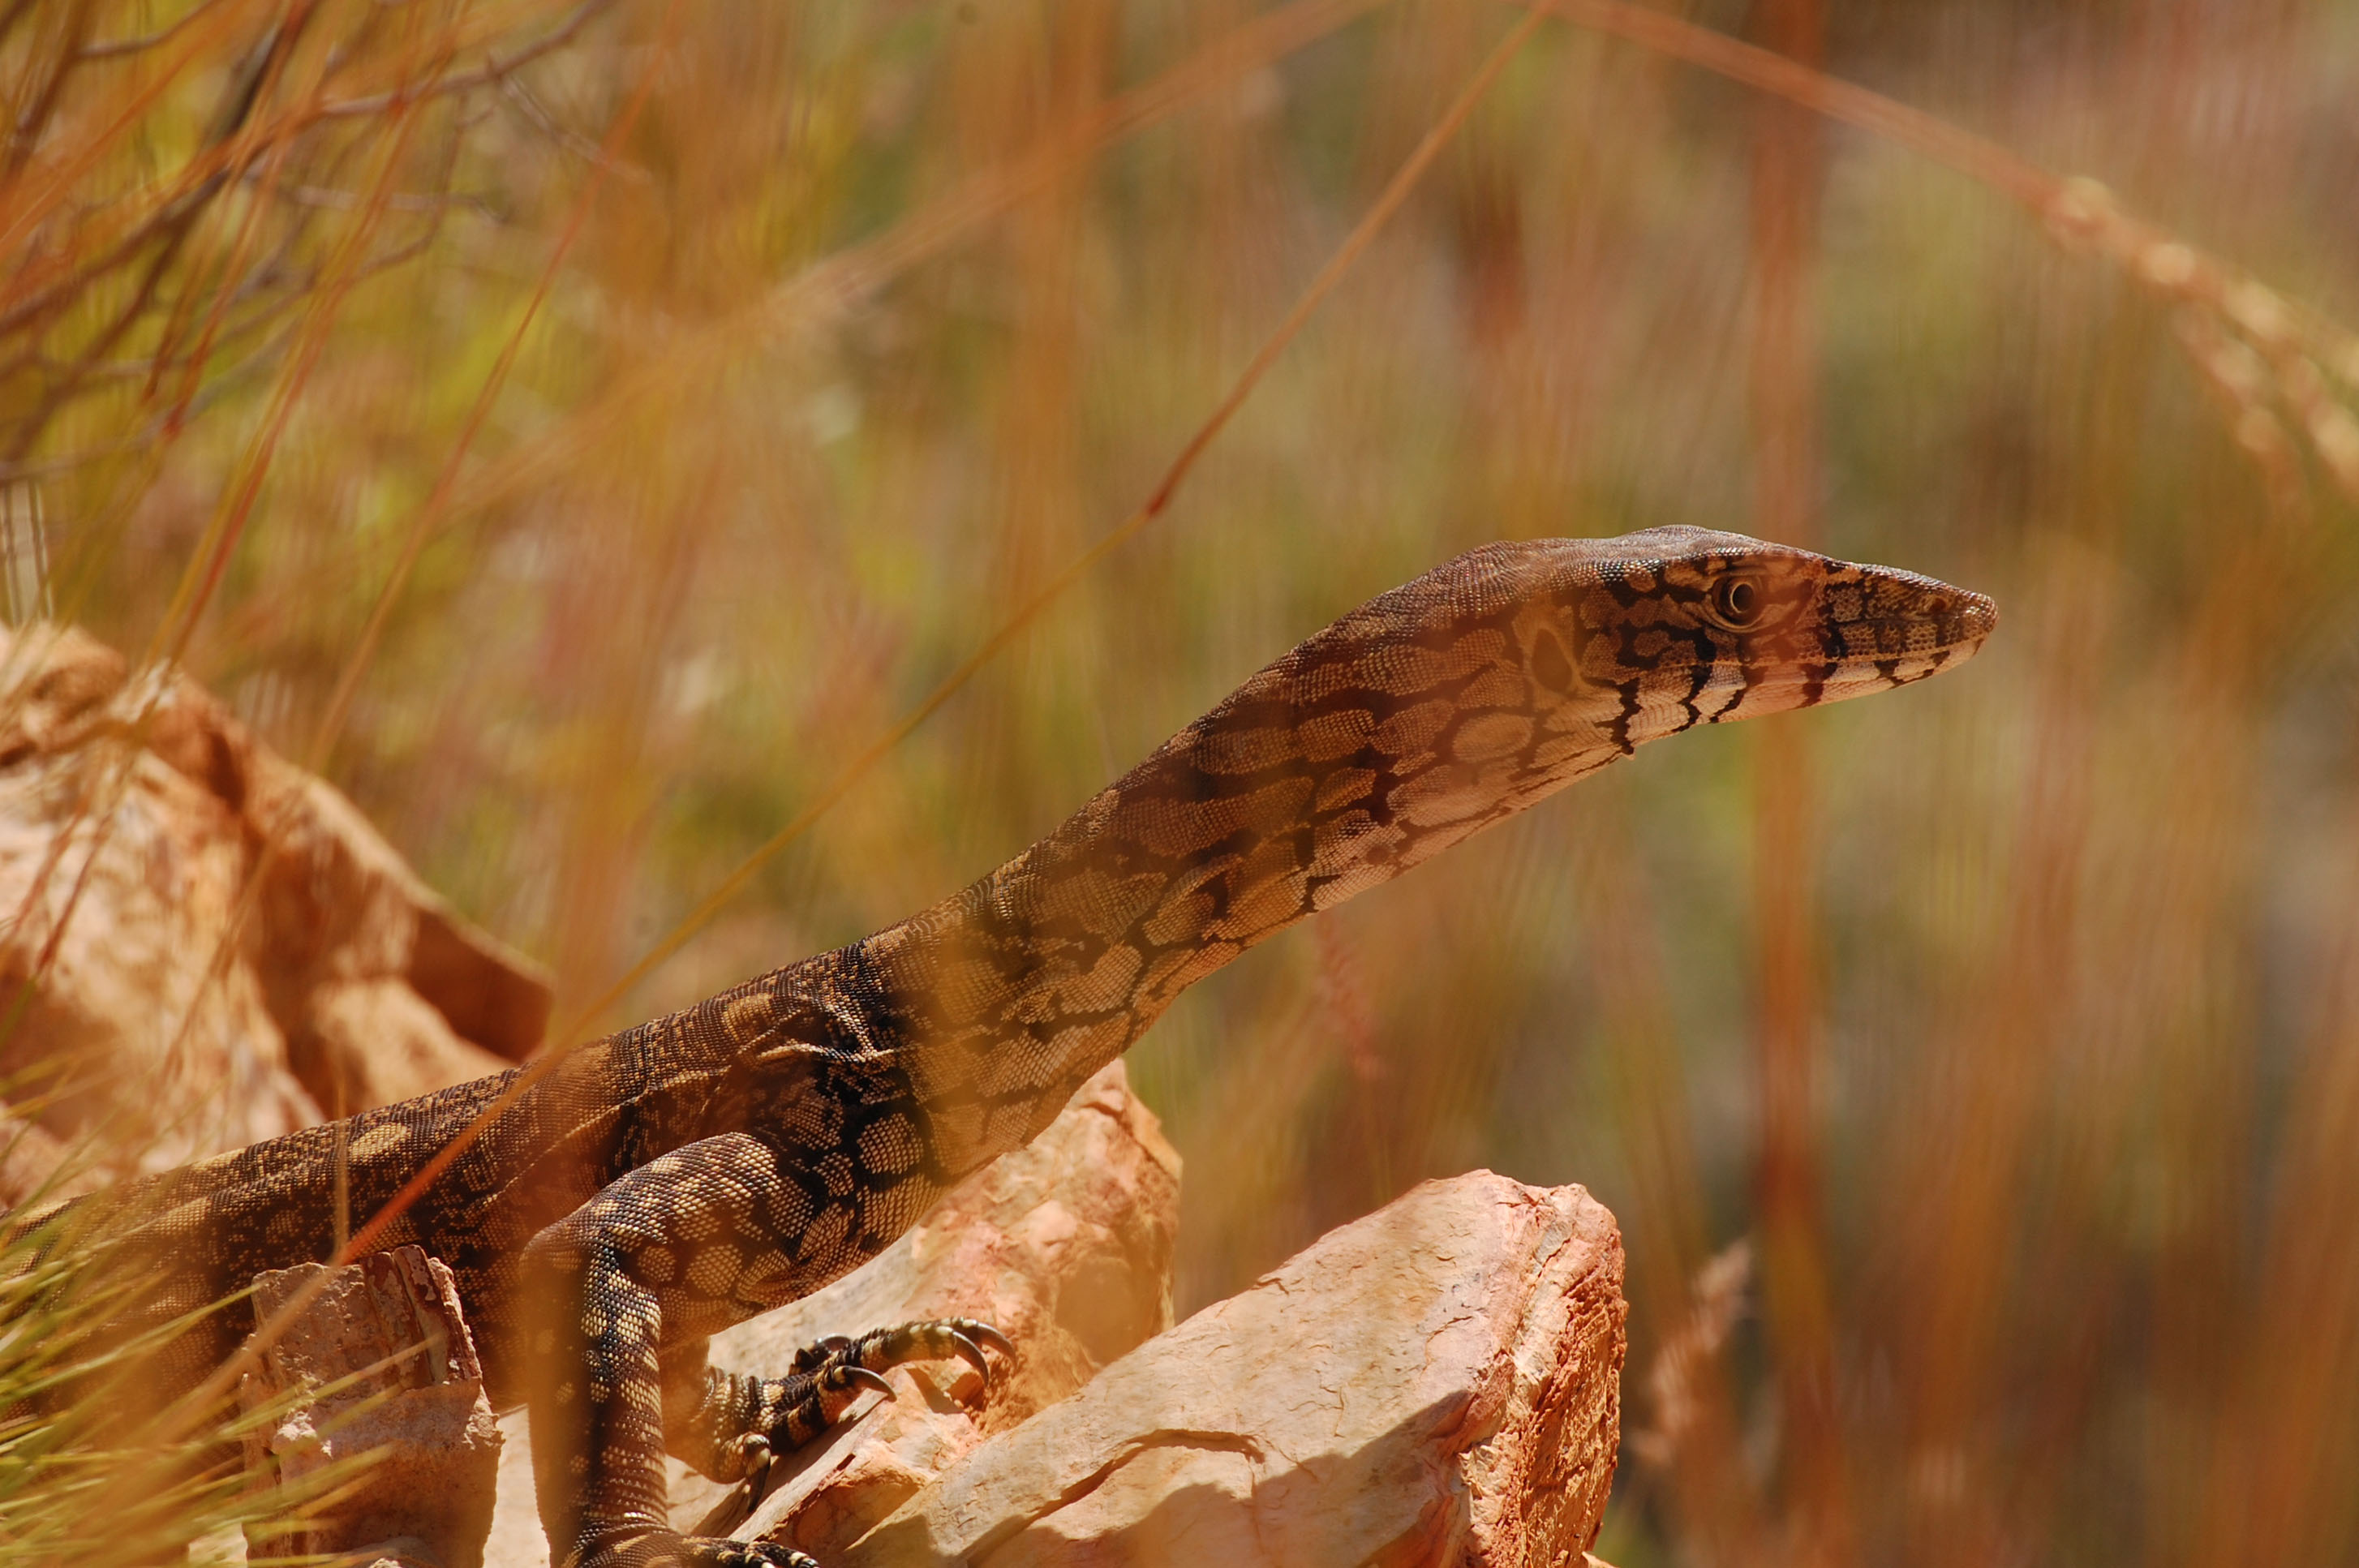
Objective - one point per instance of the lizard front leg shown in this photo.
(702, 1237)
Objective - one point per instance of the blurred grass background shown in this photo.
(2009, 1025)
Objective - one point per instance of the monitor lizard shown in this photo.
(686, 1174)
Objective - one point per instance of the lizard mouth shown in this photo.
(1948, 627)
(1913, 627)
(1957, 628)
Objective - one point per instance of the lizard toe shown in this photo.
(962, 1338)
(764, 1554)
(716, 1551)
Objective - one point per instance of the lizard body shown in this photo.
(683, 1175)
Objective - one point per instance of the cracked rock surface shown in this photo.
(1438, 1383)
(379, 1363)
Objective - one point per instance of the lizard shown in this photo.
(692, 1172)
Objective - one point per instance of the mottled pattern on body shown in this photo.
(684, 1175)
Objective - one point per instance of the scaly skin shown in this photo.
(687, 1174)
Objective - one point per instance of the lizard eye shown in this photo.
(1738, 601)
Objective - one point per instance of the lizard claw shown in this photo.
(861, 1378)
(972, 1354)
(829, 1347)
(968, 1336)
(984, 1333)
(755, 1455)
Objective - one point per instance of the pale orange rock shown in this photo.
(31, 1161)
(378, 1041)
(378, 1426)
(210, 946)
(1436, 1384)
(1064, 1245)
(118, 876)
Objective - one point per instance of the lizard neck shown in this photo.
(1305, 788)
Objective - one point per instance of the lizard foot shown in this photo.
(929, 1339)
(662, 1549)
(838, 1370)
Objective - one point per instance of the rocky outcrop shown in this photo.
(1436, 1384)
(201, 944)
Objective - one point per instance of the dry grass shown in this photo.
(2011, 1021)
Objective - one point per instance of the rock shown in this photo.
(32, 1162)
(338, 907)
(1438, 1383)
(130, 1039)
(1064, 1245)
(224, 949)
(374, 1040)
(384, 1438)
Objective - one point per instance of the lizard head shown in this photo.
(1682, 625)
